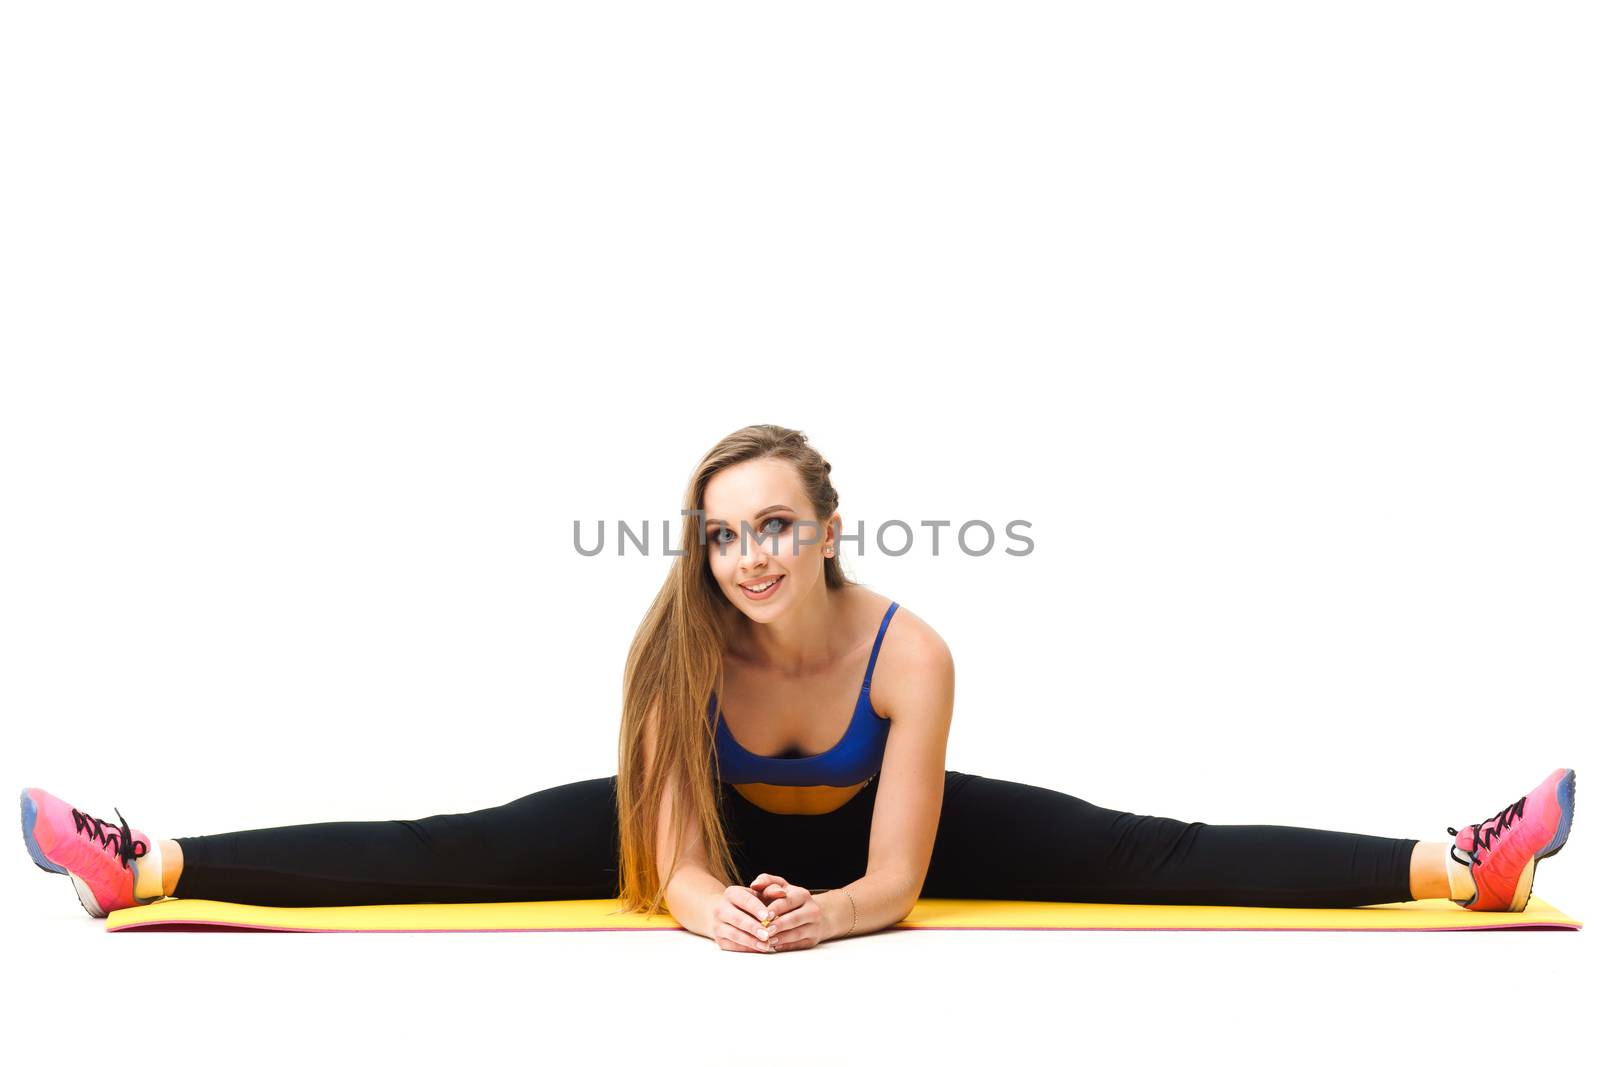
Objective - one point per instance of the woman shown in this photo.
(822, 765)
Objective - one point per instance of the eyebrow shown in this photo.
(763, 511)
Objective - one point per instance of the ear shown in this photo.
(830, 533)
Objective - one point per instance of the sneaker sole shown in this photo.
(86, 897)
(1566, 794)
(30, 817)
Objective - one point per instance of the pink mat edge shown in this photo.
(208, 926)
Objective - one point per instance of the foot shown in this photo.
(1503, 851)
(102, 859)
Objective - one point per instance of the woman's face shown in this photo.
(765, 494)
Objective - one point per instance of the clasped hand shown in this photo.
(793, 918)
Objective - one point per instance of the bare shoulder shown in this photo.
(915, 667)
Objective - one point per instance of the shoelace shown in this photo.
(120, 841)
(1484, 834)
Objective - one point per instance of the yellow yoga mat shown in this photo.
(929, 914)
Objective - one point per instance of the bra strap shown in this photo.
(872, 663)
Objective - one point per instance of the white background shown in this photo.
(322, 323)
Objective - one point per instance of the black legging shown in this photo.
(996, 840)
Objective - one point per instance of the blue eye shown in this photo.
(718, 539)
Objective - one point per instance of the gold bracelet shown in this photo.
(852, 900)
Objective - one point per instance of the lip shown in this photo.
(764, 595)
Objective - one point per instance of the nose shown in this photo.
(754, 555)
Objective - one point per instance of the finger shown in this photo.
(798, 939)
(779, 900)
(756, 930)
(794, 898)
(752, 919)
(797, 917)
(747, 902)
(762, 880)
(734, 941)
(744, 940)
(802, 921)
(736, 921)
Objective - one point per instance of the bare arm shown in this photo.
(910, 796)
(694, 895)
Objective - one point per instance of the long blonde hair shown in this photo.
(673, 665)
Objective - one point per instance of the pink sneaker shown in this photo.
(101, 859)
(1503, 851)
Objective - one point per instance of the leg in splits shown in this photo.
(556, 844)
(559, 843)
(1011, 841)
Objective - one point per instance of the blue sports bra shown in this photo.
(856, 757)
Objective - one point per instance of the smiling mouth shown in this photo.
(762, 586)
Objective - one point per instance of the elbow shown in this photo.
(907, 900)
